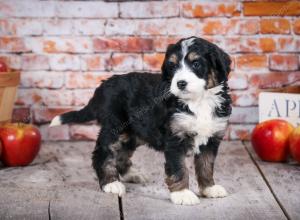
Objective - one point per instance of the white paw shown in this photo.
(115, 187)
(134, 176)
(215, 191)
(55, 121)
(184, 197)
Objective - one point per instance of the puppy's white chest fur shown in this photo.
(203, 124)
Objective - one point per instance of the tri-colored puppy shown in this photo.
(185, 108)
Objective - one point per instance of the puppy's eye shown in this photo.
(196, 64)
(172, 65)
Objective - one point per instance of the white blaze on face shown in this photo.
(195, 86)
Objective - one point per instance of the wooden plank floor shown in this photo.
(60, 184)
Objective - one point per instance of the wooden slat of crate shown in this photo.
(284, 179)
(249, 196)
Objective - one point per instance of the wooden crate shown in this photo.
(9, 82)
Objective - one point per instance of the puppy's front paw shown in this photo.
(115, 187)
(215, 191)
(134, 176)
(184, 197)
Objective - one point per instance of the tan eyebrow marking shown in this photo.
(193, 56)
(173, 58)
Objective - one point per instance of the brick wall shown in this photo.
(65, 48)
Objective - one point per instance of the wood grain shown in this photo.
(284, 179)
(249, 196)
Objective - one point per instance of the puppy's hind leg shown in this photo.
(105, 164)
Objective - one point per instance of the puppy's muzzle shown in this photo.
(181, 84)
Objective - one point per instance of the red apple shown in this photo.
(20, 143)
(295, 144)
(3, 66)
(270, 140)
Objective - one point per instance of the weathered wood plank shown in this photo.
(249, 196)
(61, 175)
(284, 179)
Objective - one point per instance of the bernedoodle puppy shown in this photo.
(185, 108)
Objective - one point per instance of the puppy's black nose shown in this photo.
(181, 84)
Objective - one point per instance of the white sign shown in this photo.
(279, 105)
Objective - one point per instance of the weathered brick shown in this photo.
(43, 114)
(153, 61)
(275, 26)
(21, 115)
(267, 44)
(95, 62)
(82, 80)
(211, 9)
(274, 79)
(238, 81)
(251, 62)
(89, 26)
(84, 132)
(217, 26)
(296, 26)
(288, 44)
(21, 27)
(86, 9)
(27, 97)
(82, 96)
(149, 9)
(127, 62)
(240, 131)
(64, 62)
(271, 8)
(247, 26)
(284, 62)
(245, 98)
(42, 79)
(35, 62)
(161, 43)
(58, 26)
(244, 115)
(125, 44)
(12, 44)
(13, 61)
(183, 27)
(60, 133)
(58, 97)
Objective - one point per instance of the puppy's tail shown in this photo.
(83, 115)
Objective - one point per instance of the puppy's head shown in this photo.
(193, 65)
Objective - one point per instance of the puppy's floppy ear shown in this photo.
(220, 61)
(164, 69)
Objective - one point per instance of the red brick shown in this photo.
(271, 8)
(12, 44)
(215, 26)
(251, 62)
(86, 9)
(43, 115)
(149, 9)
(274, 79)
(82, 80)
(35, 62)
(64, 62)
(244, 115)
(211, 9)
(153, 61)
(58, 27)
(160, 44)
(267, 44)
(95, 62)
(84, 132)
(42, 79)
(126, 44)
(82, 96)
(296, 26)
(238, 81)
(89, 27)
(127, 62)
(241, 132)
(21, 115)
(60, 133)
(247, 26)
(284, 62)
(245, 98)
(275, 26)
(288, 44)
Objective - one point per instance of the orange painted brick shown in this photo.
(271, 8)
(215, 26)
(267, 44)
(247, 26)
(275, 26)
(284, 62)
(95, 62)
(160, 44)
(211, 9)
(251, 61)
(127, 62)
(287, 44)
(296, 26)
(153, 61)
(274, 79)
(83, 80)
